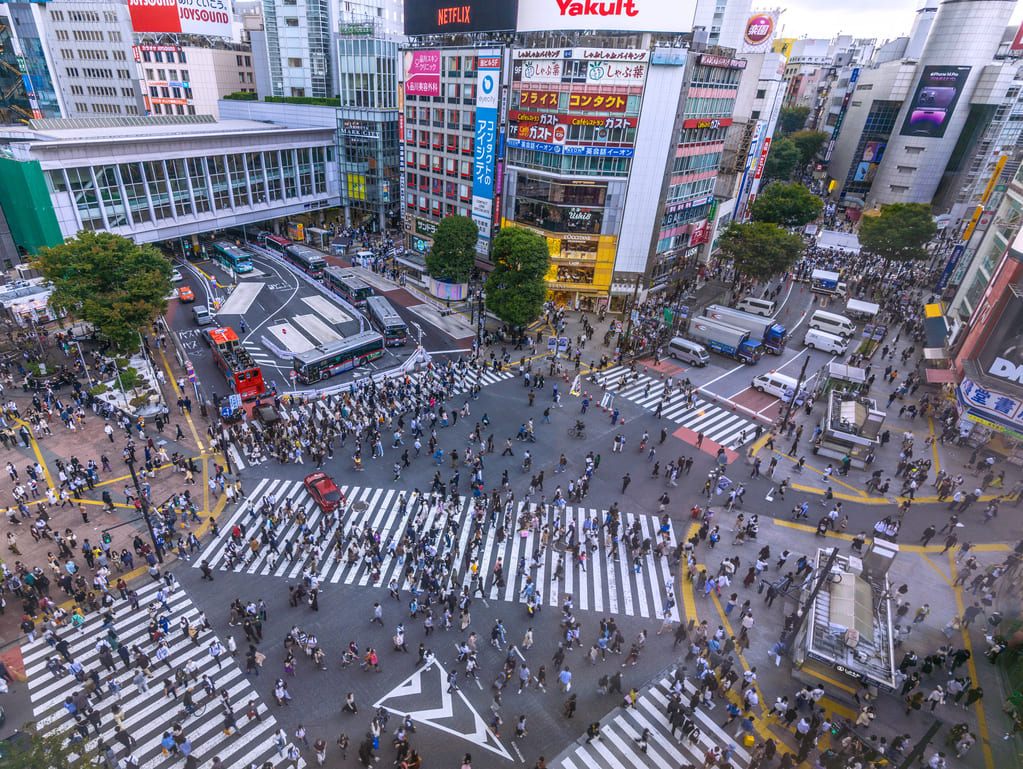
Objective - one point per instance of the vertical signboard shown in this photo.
(950, 266)
(751, 159)
(401, 147)
(841, 113)
(488, 75)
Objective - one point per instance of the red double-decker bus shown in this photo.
(236, 364)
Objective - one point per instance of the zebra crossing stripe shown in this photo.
(610, 583)
(146, 715)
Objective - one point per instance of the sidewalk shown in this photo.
(89, 442)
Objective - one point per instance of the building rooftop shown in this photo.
(84, 130)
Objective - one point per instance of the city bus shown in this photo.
(309, 260)
(387, 321)
(232, 257)
(347, 285)
(274, 243)
(333, 358)
(234, 362)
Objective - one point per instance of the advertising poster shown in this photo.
(1002, 354)
(607, 15)
(434, 17)
(600, 72)
(197, 17)
(530, 71)
(488, 75)
(422, 73)
(759, 33)
(935, 101)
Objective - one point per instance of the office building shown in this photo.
(189, 79)
(24, 58)
(911, 119)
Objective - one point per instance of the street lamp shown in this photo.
(481, 313)
(145, 510)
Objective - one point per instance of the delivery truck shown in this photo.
(727, 340)
(827, 282)
(773, 335)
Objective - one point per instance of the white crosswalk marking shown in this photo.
(619, 748)
(717, 422)
(148, 715)
(607, 582)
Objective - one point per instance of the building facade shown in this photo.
(161, 178)
(189, 79)
(300, 50)
(25, 56)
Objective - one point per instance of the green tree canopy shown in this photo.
(792, 119)
(760, 250)
(808, 143)
(453, 254)
(516, 289)
(33, 750)
(900, 232)
(790, 205)
(782, 160)
(117, 286)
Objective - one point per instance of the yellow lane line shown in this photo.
(989, 760)
(935, 567)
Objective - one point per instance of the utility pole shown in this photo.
(792, 400)
(145, 511)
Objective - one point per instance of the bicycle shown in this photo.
(197, 710)
(575, 432)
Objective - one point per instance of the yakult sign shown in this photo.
(631, 15)
(199, 17)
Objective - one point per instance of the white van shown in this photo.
(822, 340)
(833, 324)
(688, 351)
(779, 385)
(202, 315)
(762, 307)
(363, 259)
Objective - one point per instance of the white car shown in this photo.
(176, 276)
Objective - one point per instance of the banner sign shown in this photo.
(197, 17)
(488, 75)
(551, 118)
(577, 102)
(558, 149)
(606, 15)
(422, 73)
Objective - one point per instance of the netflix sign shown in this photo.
(434, 17)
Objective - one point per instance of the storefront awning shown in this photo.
(939, 375)
(935, 331)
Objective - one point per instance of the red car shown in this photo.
(326, 493)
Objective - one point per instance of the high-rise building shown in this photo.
(24, 57)
(910, 119)
(299, 37)
(188, 79)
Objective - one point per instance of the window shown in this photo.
(761, 93)
(147, 56)
(248, 61)
(170, 57)
(83, 191)
(161, 74)
(238, 59)
(179, 186)
(298, 92)
(218, 181)
(184, 76)
(181, 57)
(149, 75)
(290, 21)
(292, 62)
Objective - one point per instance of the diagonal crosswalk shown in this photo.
(618, 747)
(149, 715)
(718, 423)
(605, 583)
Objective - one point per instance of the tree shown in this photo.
(30, 749)
(782, 160)
(900, 232)
(789, 205)
(517, 289)
(760, 250)
(792, 119)
(808, 143)
(453, 254)
(109, 281)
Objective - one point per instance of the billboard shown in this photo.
(433, 17)
(422, 73)
(934, 101)
(606, 15)
(1002, 354)
(197, 17)
(759, 32)
(1017, 41)
(488, 76)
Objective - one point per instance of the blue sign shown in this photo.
(558, 149)
(950, 265)
(485, 147)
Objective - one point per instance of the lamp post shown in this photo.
(145, 510)
(481, 314)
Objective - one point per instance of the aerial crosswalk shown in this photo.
(327, 406)
(618, 746)
(718, 423)
(149, 715)
(605, 583)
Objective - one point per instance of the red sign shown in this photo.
(1017, 42)
(707, 122)
(700, 232)
(550, 118)
(543, 99)
(763, 158)
(577, 102)
(759, 28)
